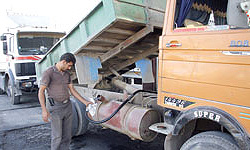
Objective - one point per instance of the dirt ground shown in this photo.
(96, 138)
(37, 137)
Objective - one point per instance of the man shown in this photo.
(56, 80)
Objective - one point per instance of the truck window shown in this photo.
(10, 49)
(127, 80)
(33, 45)
(138, 81)
(11, 44)
(209, 15)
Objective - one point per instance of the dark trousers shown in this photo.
(61, 125)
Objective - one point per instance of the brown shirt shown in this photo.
(56, 83)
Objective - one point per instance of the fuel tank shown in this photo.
(131, 120)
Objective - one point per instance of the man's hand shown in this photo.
(45, 115)
(41, 96)
(87, 103)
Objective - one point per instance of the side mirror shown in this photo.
(235, 15)
(245, 6)
(3, 38)
(5, 48)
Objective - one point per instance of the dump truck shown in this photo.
(194, 62)
(21, 47)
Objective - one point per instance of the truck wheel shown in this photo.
(10, 92)
(74, 119)
(210, 140)
(1, 92)
(82, 121)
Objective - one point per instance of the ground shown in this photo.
(17, 135)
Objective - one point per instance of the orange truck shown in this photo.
(203, 98)
(203, 79)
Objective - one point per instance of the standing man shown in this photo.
(56, 80)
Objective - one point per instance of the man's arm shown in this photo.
(78, 96)
(41, 96)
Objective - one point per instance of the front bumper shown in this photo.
(27, 85)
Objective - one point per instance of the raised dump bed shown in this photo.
(111, 38)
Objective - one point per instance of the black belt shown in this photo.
(52, 101)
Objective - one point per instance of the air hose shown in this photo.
(115, 112)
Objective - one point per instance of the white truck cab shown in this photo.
(20, 49)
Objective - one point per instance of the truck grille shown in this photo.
(25, 69)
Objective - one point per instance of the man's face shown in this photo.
(66, 66)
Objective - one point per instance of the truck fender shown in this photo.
(216, 115)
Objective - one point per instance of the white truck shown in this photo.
(20, 49)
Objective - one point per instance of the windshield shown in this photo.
(211, 15)
(36, 44)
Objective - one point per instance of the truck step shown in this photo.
(162, 128)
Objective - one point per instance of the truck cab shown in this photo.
(21, 49)
(204, 69)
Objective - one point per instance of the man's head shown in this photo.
(67, 60)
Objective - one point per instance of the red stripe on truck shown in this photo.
(28, 58)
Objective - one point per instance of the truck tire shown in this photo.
(75, 119)
(82, 121)
(1, 92)
(210, 140)
(11, 94)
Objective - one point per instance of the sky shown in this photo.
(62, 14)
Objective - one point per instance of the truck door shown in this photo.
(205, 56)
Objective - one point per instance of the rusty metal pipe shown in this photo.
(124, 86)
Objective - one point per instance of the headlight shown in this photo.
(35, 83)
(27, 84)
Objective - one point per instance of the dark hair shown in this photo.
(68, 57)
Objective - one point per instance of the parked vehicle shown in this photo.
(133, 77)
(21, 48)
(201, 78)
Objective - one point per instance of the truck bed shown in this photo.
(116, 32)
